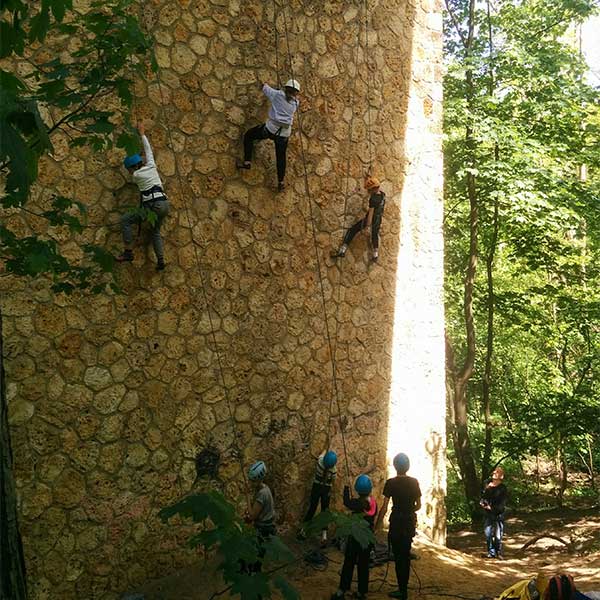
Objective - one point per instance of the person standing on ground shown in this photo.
(145, 175)
(371, 221)
(262, 512)
(355, 554)
(284, 104)
(325, 475)
(493, 502)
(406, 501)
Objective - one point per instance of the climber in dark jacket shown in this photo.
(355, 554)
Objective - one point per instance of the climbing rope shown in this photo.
(195, 244)
(368, 82)
(335, 390)
(346, 196)
(276, 43)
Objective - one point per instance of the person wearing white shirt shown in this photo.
(145, 175)
(284, 103)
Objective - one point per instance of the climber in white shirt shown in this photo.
(152, 198)
(284, 103)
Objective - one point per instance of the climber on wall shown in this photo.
(284, 103)
(152, 199)
(355, 554)
(325, 474)
(371, 220)
(406, 498)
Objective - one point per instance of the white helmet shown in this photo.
(292, 83)
(257, 471)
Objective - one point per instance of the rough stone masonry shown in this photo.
(111, 397)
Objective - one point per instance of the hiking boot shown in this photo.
(398, 594)
(301, 535)
(280, 186)
(339, 595)
(242, 165)
(127, 256)
(160, 265)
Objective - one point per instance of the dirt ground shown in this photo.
(460, 570)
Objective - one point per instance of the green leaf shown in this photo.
(288, 591)
(277, 550)
(39, 26)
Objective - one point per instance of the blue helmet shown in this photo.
(401, 463)
(330, 459)
(363, 485)
(132, 161)
(257, 471)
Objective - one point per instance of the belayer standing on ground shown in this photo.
(355, 554)
(325, 475)
(262, 512)
(284, 104)
(493, 502)
(145, 175)
(406, 501)
(372, 220)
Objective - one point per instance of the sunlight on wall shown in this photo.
(417, 396)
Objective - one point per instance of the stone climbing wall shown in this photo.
(112, 397)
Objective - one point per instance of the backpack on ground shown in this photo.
(560, 587)
(526, 589)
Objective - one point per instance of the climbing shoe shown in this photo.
(127, 256)
(375, 257)
(242, 165)
(338, 253)
(160, 265)
(280, 186)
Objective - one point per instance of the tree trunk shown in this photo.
(461, 439)
(13, 584)
(460, 431)
(562, 470)
(490, 303)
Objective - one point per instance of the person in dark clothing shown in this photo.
(372, 220)
(355, 554)
(493, 502)
(406, 501)
(278, 127)
(325, 475)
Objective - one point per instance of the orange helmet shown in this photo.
(371, 182)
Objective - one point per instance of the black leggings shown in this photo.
(318, 493)
(401, 545)
(359, 226)
(260, 132)
(355, 555)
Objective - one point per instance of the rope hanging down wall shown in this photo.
(335, 390)
(195, 244)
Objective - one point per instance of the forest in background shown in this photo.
(521, 223)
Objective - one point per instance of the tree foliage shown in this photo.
(534, 125)
(67, 93)
(238, 546)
